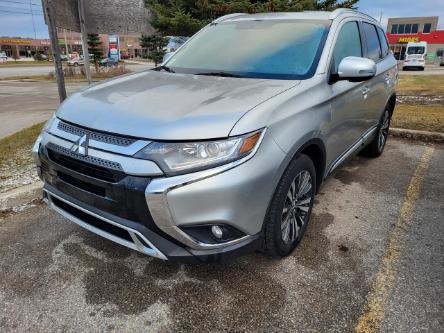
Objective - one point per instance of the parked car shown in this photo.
(108, 62)
(415, 56)
(79, 61)
(221, 150)
(3, 58)
(63, 57)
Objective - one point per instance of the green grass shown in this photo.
(26, 63)
(14, 146)
(421, 84)
(419, 117)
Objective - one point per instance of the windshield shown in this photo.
(258, 49)
(416, 50)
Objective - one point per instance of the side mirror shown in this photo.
(356, 69)
(167, 56)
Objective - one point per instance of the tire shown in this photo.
(376, 147)
(280, 239)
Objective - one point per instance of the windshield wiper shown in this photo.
(223, 74)
(165, 68)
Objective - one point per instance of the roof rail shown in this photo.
(227, 17)
(340, 11)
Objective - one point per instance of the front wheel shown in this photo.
(290, 209)
(376, 147)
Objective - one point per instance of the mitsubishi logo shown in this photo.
(81, 145)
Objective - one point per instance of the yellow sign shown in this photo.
(408, 39)
(15, 41)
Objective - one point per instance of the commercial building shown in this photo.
(70, 43)
(402, 30)
(17, 47)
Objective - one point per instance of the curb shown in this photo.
(21, 196)
(417, 135)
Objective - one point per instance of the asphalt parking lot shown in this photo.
(371, 259)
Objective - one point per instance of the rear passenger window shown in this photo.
(348, 44)
(371, 37)
(383, 41)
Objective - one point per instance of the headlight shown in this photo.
(183, 157)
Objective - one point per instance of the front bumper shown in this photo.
(149, 211)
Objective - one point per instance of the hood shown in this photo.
(167, 106)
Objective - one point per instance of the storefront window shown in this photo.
(394, 29)
(408, 28)
(414, 28)
(401, 29)
(427, 28)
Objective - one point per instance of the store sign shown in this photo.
(408, 39)
(114, 47)
(15, 41)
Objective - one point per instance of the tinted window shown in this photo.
(371, 37)
(414, 28)
(348, 44)
(383, 41)
(257, 49)
(394, 29)
(408, 28)
(401, 29)
(427, 28)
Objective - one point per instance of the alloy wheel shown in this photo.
(296, 209)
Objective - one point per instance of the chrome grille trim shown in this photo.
(105, 142)
(136, 244)
(97, 136)
(87, 159)
(131, 166)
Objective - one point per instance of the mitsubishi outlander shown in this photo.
(222, 148)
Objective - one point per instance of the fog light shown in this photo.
(217, 231)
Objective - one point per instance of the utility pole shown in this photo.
(33, 22)
(66, 42)
(84, 41)
(52, 30)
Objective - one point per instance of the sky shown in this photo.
(16, 19)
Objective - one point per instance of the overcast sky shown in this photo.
(14, 24)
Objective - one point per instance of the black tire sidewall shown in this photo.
(274, 243)
(380, 151)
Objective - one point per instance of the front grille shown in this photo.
(85, 168)
(91, 188)
(97, 136)
(88, 159)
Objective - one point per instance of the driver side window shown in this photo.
(348, 44)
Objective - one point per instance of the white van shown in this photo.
(415, 55)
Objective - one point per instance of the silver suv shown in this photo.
(222, 148)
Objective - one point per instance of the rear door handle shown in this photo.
(365, 90)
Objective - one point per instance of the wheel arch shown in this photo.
(315, 150)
